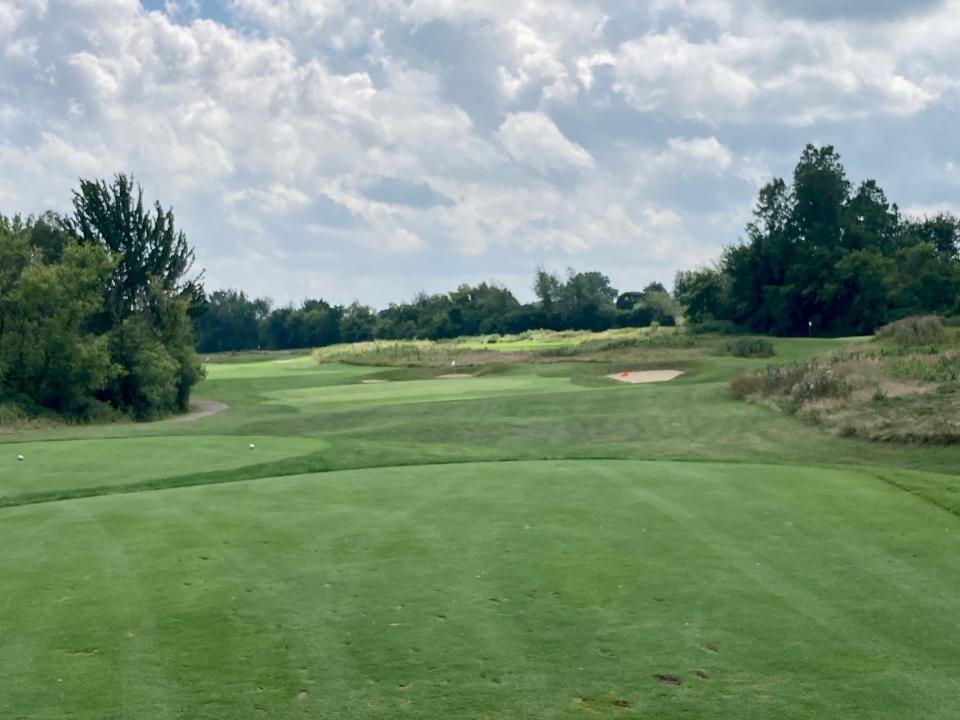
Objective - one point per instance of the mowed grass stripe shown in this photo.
(541, 589)
(73, 466)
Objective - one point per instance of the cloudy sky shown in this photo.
(373, 148)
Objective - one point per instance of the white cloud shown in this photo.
(708, 152)
(920, 210)
(785, 70)
(532, 138)
(272, 200)
(265, 130)
(695, 80)
(953, 171)
(403, 240)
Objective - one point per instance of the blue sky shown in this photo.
(371, 149)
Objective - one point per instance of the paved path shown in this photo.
(200, 409)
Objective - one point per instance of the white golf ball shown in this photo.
(252, 446)
(19, 458)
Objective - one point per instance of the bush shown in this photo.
(717, 327)
(796, 382)
(914, 331)
(750, 347)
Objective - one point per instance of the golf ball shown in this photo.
(19, 458)
(252, 446)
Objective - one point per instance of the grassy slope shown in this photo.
(825, 591)
(566, 410)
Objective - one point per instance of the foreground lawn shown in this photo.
(537, 541)
(508, 590)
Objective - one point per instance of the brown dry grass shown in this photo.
(886, 391)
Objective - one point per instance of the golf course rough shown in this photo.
(548, 545)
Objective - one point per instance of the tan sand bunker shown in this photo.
(453, 376)
(373, 381)
(645, 376)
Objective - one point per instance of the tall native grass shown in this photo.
(534, 346)
(903, 386)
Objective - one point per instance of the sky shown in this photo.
(371, 149)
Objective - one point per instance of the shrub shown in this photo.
(718, 327)
(914, 331)
(746, 384)
(796, 382)
(750, 347)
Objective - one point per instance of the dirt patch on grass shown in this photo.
(645, 376)
(373, 382)
(668, 679)
(454, 376)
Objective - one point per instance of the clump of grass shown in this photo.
(15, 417)
(913, 332)
(411, 353)
(620, 345)
(939, 368)
(793, 384)
(749, 347)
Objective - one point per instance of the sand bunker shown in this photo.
(454, 376)
(646, 376)
(373, 382)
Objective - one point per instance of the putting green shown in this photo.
(336, 397)
(508, 590)
(70, 464)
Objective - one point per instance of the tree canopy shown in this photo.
(824, 256)
(95, 308)
(580, 300)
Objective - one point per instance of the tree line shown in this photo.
(97, 308)
(581, 300)
(101, 311)
(823, 257)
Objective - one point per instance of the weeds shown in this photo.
(907, 393)
(749, 347)
(914, 332)
(534, 346)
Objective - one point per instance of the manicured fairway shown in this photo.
(541, 589)
(534, 542)
(339, 397)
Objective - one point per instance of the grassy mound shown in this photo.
(904, 386)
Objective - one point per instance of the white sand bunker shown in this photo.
(645, 376)
(373, 382)
(454, 376)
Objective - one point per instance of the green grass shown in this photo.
(75, 464)
(534, 542)
(435, 390)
